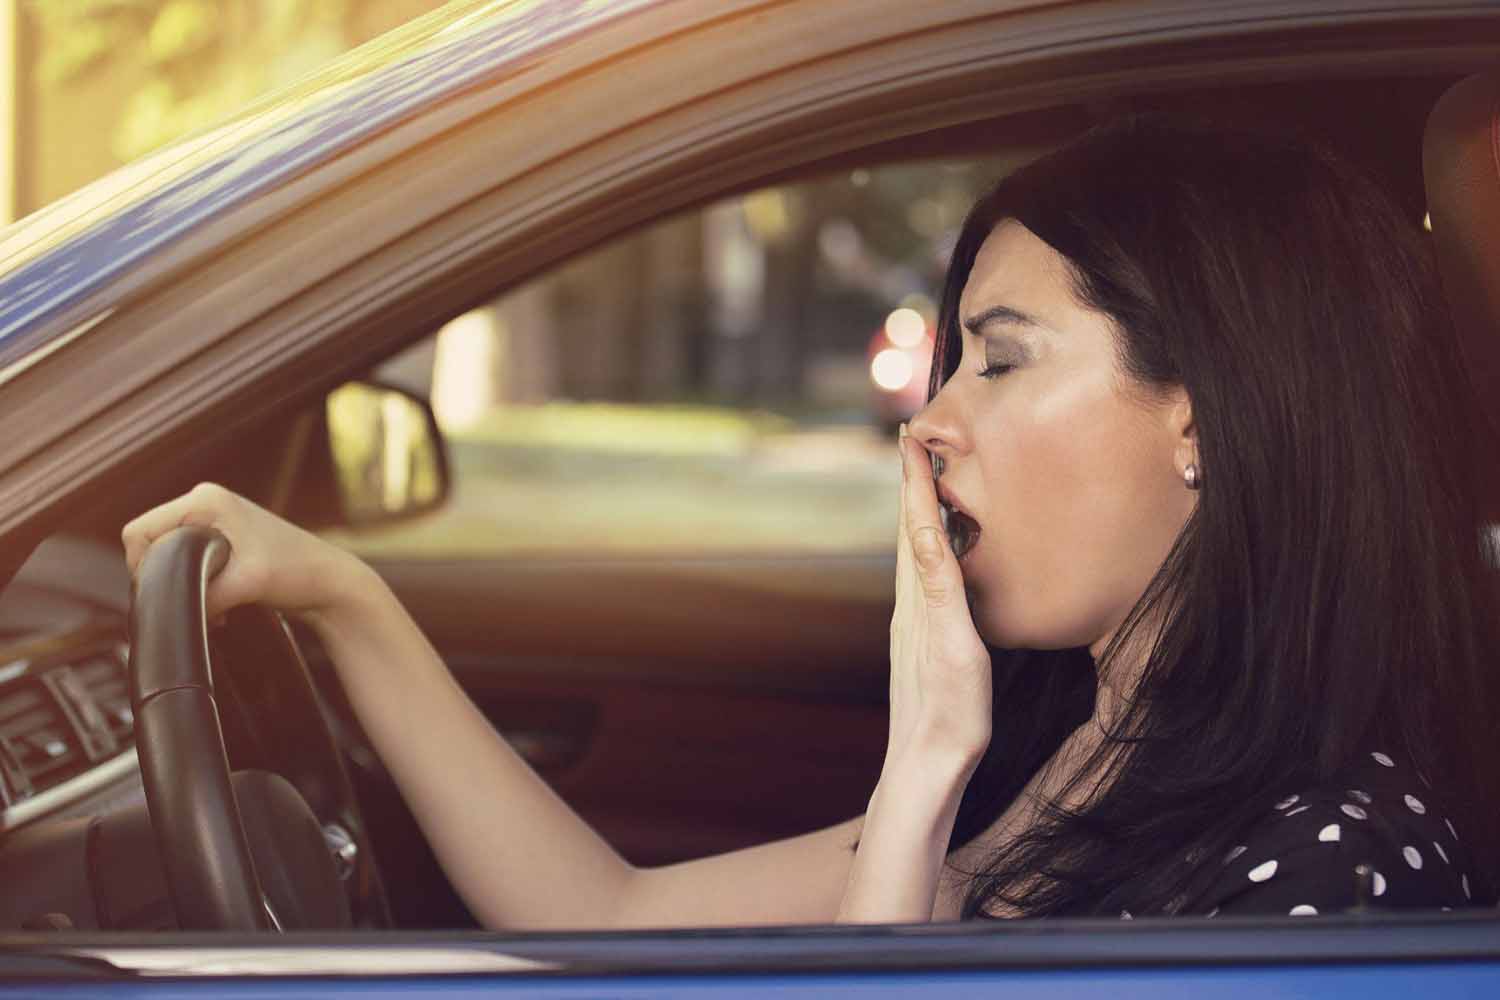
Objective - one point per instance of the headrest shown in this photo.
(1461, 170)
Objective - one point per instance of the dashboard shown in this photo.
(75, 841)
(77, 847)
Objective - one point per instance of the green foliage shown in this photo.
(201, 60)
(181, 29)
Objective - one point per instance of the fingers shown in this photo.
(207, 504)
(935, 566)
(908, 586)
(903, 546)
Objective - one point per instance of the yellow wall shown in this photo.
(95, 92)
(8, 75)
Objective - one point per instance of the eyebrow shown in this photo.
(999, 314)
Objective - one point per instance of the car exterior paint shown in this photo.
(1388, 982)
(77, 256)
(85, 242)
(1379, 956)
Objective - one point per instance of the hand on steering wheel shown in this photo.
(211, 866)
(268, 560)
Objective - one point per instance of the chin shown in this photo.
(996, 629)
(1013, 628)
(1006, 619)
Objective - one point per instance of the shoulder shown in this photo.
(1301, 858)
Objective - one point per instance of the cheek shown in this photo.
(1074, 497)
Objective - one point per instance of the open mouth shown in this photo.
(963, 530)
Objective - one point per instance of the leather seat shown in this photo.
(1461, 171)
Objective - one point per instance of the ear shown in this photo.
(1181, 431)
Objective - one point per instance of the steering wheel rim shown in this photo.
(208, 859)
(204, 851)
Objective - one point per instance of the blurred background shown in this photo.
(726, 380)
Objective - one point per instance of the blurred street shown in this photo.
(784, 490)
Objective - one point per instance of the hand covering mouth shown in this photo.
(963, 530)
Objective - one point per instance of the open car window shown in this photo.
(664, 572)
(726, 381)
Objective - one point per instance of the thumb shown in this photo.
(237, 583)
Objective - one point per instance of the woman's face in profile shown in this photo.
(1070, 469)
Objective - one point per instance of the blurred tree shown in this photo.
(203, 60)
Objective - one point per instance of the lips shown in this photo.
(963, 530)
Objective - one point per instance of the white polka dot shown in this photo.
(1450, 829)
(1213, 913)
(1353, 812)
(1303, 910)
(1363, 798)
(1378, 884)
(1288, 802)
(1234, 853)
(1382, 759)
(1446, 909)
(1441, 853)
(1466, 887)
(1412, 855)
(1125, 915)
(1415, 805)
(1293, 812)
(1329, 834)
(1263, 871)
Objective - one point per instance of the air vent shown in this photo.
(104, 677)
(60, 720)
(88, 722)
(38, 736)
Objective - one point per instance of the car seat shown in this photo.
(1461, 171)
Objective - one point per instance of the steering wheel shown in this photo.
(252, 850)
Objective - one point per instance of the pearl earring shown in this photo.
(1191, 478)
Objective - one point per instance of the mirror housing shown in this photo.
(370, 455)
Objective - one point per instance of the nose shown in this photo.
(940, 428)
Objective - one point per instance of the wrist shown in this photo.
(351, 592)
(903, 842)
(935, 748)
(929, 784)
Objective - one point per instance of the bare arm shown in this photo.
(519, 856)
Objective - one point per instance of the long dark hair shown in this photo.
(1330, 593)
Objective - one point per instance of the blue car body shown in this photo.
(66, 271)
(369, 91)
(1379, 957)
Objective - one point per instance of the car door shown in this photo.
(665, 571)
(596, 661)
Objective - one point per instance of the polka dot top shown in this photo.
(1301, 860)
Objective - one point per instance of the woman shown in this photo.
(1198, 443)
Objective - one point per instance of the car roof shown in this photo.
(81, 243)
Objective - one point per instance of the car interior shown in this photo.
(685, 702)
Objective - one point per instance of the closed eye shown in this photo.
(994, 371)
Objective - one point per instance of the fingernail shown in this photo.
(901, 430)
